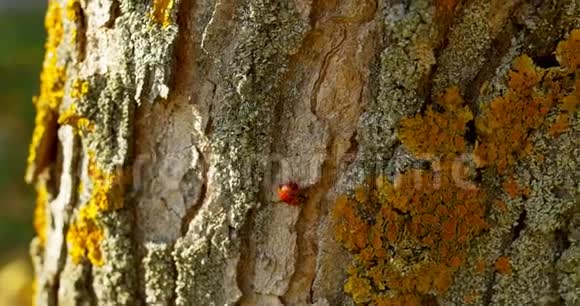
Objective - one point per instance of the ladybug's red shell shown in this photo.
(289, 193)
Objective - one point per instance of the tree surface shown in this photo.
(434, 145)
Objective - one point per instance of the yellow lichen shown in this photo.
(107, 191)
(53, 25)
(161, 12)
(84, 237)
(80, 88)
(40, 212)
(86, 233)
(360, 287)
(52, 80)
(71, 117)
(72, 8)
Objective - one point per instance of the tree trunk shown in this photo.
(434, 145)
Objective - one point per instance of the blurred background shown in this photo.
(21, 53)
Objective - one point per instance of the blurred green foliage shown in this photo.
(21, 54)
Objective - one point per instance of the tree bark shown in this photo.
(164, 128)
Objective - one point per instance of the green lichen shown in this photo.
(469, 40)
(242, 128)
(534, 279)
(200, 271)
(243, 122)
(117, 278)
(404, 67)
(568, 275)
(160, 274)
(109, 109)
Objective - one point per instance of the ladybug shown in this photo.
(290, 194)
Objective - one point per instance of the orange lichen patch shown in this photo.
(504, 124)
(471, 297)
(438, 134)
(501, 205)
(570, 103)
(511, 187)
(503, 265)
(409, 236)
(568, 51)
(351, 229)
(408, 239)
(161, 12)
(480, 265)
(52, 80)
(455, 261)
(446, 5)
(85, 233)
(560, 125)
(40, 212)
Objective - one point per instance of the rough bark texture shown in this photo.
(163, 129)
